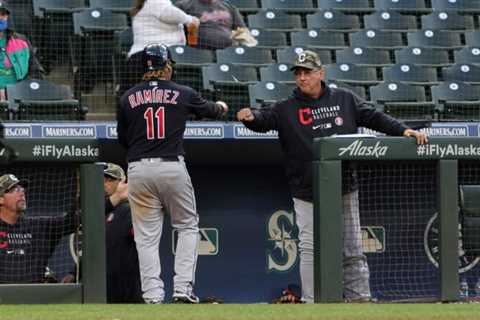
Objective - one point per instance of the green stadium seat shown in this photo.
(267, 92)
(277, 72)
(119, 6)
(318, 39)
(188, 64)
(290, 6)
(249, 56)
(364, 56)
(390, 20)
(358, 90)
(402, 101)
(351, 74)
(268, 39)
(457, 100)
(467, 55)
(43, 100)
(423, 56)
(451, 21)
(437, 39)
(406, 6)
(410, 74)
(462, 72)
(379, 39)
(274, 20)
(91, 46)
(333, 20)
(246, 6)
(461, 6)
(351, 6)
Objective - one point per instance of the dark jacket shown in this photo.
(123, 273)
(152, 118)
(299, 119)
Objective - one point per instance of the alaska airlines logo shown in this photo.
(357, 148)
(281, 229)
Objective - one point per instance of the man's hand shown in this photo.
(245, 114)
(420, 136)
(223, 105)
(120, 194)
(195, 22)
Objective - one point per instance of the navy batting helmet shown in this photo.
(156, 56)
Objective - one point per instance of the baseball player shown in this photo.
(315, 110)
(151, 122)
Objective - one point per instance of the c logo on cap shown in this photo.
(302, 57)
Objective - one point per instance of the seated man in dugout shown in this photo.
(17, 57)
(26, 243)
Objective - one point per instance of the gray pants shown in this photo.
(355, 267)
(154, 188)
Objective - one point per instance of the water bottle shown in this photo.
(463, 289)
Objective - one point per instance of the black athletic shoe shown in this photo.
(179, 297)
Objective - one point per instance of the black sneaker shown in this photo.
(179, 297)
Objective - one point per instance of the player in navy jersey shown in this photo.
(151, 121)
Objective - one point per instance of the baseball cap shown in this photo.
(7, 181)
(114, 171)
(4, 7)
(307, 59)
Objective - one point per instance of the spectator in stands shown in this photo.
(123, 273)
(219, 22)
(17, 56)
(153, 21)
(315, 110)
(26, 243)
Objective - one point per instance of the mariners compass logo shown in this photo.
(282, 235)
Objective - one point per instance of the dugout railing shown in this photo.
(81, 155)
(445, 158)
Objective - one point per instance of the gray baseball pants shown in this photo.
(156, 187)
(355, 268)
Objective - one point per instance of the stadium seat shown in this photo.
(472, 38)
(244, 56)
(274, 20)
(91, 46)
(405, 6)
(390, 20)
(53, 26)
(227, 74)
(289, 54)
(269, 39)
(333, 20)
(246, 6)
(467, 55)
(277, 72)
(289, 6)
(402, 101)
(122, 42)
(264, 93)
(461, 6)
(462, 72)
(358, 90)
(318, 39)
(352, 6)
(363, 56)
(437, 39)
(410, 74)
(422, 56)
(376, 39)
(229, 83)
(447, 20)
(457, 100)
(120, 6)
(351, 73)
(43, 100)
(188, 64)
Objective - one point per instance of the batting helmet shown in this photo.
(156, 56)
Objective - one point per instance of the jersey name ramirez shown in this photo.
(153, 95)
